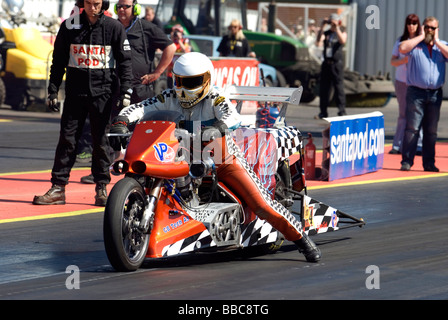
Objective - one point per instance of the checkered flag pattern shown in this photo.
(278, 207)
(198, 241)
(289, 141)
(318, 217)
(258, 232)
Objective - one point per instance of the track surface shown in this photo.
(404, 241)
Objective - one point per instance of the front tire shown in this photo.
(125, 244)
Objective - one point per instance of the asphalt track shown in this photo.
(401, 253)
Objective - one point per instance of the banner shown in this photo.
(353, 145)
(91, 56)
(237, 71)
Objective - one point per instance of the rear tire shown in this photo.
(125, 244)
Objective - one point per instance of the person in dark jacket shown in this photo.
(235, 44)
(332, 70)
(145, 38)
(150, 15)
(91, 49)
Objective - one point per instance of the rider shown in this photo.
(195, 97)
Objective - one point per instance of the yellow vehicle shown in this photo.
(27, 58)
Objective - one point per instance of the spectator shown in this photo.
(264, 25)
(427, 57)
(150, 15)
(90, 57)
(182, 46)
(235, 44)
(399, 60)
(177, 36)
(332, 71)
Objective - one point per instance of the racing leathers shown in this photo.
(216, 110)
(91, 56)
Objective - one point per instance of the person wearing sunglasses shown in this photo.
(411, 30)
(207, 110)
(235, 44)
(145, 38)
(427, 58)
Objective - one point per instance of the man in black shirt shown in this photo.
(332, 72)
(144, 38)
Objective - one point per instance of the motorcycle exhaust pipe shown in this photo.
(120, 167)
(200, 170)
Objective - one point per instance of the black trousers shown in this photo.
(332, 75)
(75, 112)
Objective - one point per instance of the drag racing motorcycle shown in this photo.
(168, 205)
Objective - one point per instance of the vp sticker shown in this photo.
(164, 153)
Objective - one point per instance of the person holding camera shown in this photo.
(177, 36)
(182, 46)
(332, 71)
(427, 57)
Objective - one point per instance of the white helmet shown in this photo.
(192, 78)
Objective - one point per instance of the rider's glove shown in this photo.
(210, 133)
(119, 126)
(52, 102)
(125, 99)
(221, 126)
(217, 130)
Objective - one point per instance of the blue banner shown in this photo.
(356, 145)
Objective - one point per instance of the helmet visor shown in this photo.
(191, 82)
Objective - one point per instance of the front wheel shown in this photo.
(125, 244)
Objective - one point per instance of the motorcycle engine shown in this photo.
(185, 187)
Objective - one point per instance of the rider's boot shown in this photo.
(56, 195)
(308, 248)
(101, 194)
